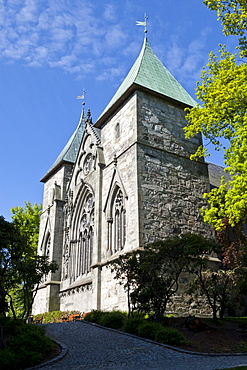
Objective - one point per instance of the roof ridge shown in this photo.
(150, 73)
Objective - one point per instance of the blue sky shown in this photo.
(52, 50)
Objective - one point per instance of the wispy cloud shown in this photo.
(85, 36)
(56, 34)
(186, 61)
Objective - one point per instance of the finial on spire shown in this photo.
(143, 23)
(82, 97)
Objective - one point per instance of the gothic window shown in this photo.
(81, 244)
(47, 250)
(88, 164)
(47, 253)
(117, 130)
(117, 224)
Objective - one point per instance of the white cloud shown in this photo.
(78, 40)
(185, 61)
(115, 36)
(58, 34)
(111, 73)
(28, 13)
(110, 12)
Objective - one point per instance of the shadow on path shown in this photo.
(90, 346)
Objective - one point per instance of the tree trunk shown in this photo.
(3, 344)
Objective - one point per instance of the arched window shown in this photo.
(117, 224)
(81, 242)
(47, 249)
(117, 130)
(47, 253)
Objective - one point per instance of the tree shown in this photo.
(127, 268)
(11, 243)
(233, 16)
(27, 219)
(218, 288)
(217, 283)
(20, 269)
(151, 274)
(223, 114)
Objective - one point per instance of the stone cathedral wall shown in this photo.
(146, 154)
(121, 168)
(51, 222)
(170, 184)
(171, 191)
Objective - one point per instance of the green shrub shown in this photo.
(27, 347)
(114, 319)
(94, 316)
(149, 329)
(170, 336)
(131, 325)
(54, 316)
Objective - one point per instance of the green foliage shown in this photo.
(94, 316)
(218, 287)
(222, 114)
(20, 269)
(150, 275)
(137, 325)
(233, 17)
(242, 346)
(170, 336)
(131, 325)
(149, 330)
(27, 346)
(54, 316)
(113, 320)
(27, 220)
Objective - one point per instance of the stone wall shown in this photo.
(170, 184)
(51, 223)
(143, 151)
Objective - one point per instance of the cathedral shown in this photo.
(119, 183)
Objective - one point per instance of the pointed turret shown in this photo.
(69, 152)
(149, 73)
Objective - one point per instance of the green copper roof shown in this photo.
(69, 152)
(150, 73)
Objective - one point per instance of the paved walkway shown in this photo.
(93, 347)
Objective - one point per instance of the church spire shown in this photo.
(148, 73)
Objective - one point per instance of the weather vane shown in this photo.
(82, 97)
(143, 23)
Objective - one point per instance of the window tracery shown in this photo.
(78, 255)
(88, 163)
(117, 224)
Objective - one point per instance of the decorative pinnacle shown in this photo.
(89, 117)
(82, 97)
(143, 23)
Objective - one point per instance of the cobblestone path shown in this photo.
(93, 347)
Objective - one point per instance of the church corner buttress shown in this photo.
(119, 183)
